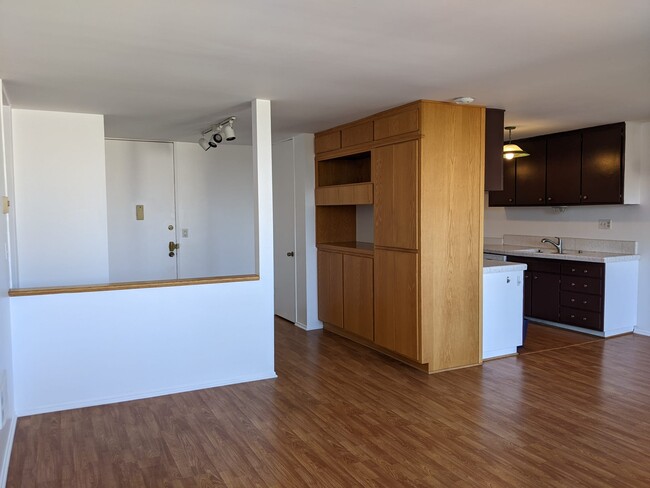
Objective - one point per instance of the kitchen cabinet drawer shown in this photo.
(327, 142)
(397, 124)
(538, 265)
(357, 134)
(582, 301)
(581, 318)
(582, 285)
(591, 270)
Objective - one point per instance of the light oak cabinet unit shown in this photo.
(415, 292)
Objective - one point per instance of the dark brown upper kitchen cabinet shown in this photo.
(563, 168)
(602, 156)
(505, 197)
(530, 187)
(494, 149)
(545, 302)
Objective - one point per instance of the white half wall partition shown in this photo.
(79, 349)
(60, 198)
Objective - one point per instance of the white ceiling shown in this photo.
(162, 69)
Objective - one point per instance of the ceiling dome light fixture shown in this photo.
(510, 150)
(214, 135)
(463, 100)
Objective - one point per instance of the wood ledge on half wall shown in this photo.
(24, 292)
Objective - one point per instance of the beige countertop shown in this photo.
(568, 255)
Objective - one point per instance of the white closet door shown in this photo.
(140, 173)
(284, 230)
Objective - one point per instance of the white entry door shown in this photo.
(141, 211)
(284, 230)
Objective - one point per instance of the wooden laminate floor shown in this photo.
(545, 337)
(340, 415)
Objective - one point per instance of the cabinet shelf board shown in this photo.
(352, 194)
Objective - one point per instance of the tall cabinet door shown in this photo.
(395, 178)
(396, 302)
(563, 166)
(330, 288)
(602, 150)
(531, 173)
(357, 296)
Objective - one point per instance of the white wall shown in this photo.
(215, 203)
(6, 368)
(628, 223)
(60, 198)
(305, 206)
(73, 350)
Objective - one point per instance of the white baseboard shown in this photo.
(644, 332)
(7, 454)
(607, 333)
(23, 412)
(307, 327)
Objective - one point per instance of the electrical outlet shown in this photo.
(605, 224)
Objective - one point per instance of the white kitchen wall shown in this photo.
(73, 350)
(60, 198)
(6, 366)
(215, 203)
(629, 222)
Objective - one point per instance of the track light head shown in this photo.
(217, 138)
(204, 143)
(229, 132)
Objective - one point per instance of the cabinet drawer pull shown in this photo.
(584, 302)
(573, 270)
(549, 199)
(585, 285)
(573, 300)
(540, 199)
(573, 316)
(584, 318)
(573, 284)
(584, 197)
(509, 200)
(585, 271)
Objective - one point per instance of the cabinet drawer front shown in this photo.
(537, 265)
(581, 318)
(394, 125)
(582, 285)
(327, 142)
(357, 134)
(582, 301)
(591, 270)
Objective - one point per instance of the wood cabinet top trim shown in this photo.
(24, 292)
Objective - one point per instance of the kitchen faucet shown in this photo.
(557, 245)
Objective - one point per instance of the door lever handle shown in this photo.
(290, 254)
(173, 246)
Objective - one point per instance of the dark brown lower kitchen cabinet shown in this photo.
(330, 288)
(530, 187)
(396, 302)
(563, 168)
(545, 301)
(528, 293)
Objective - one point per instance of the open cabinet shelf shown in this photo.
(354, 194)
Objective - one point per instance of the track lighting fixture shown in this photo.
(215, 134)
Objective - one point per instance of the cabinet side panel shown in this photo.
(451, 234)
